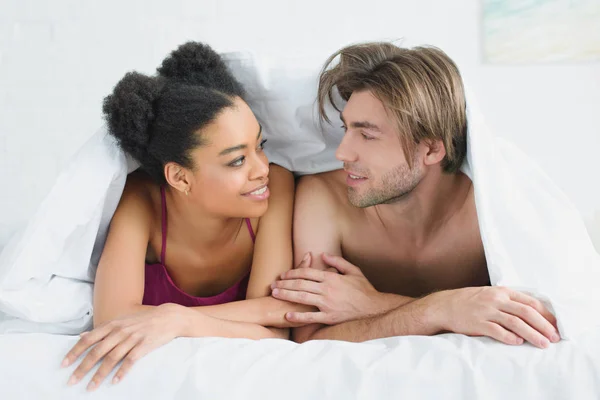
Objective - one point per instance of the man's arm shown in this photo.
(509, 316)
(317, 230)
(500, 313)
(414, 317)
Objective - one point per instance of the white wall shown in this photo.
(59, 58)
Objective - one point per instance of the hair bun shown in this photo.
(129, 111)
(196, 63)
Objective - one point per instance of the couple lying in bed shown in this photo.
(209, 239)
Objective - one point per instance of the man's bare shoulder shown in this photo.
(326, 187)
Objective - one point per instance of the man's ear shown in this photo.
(178, 177)
(435, 151)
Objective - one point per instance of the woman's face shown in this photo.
(231, 170)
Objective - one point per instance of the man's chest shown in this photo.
(393, 266)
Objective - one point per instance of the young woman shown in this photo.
(201, 231)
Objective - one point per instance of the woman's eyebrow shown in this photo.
(240, 146)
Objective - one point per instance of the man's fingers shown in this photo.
(521, 329)
(533, 318)
(86, 341)
(112, 359)
(310, 274)
(535, 304)
(502, 335)
(293, 296)
(301, 285)
(341, 264)
(306, 318)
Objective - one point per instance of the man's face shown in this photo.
(373, 157)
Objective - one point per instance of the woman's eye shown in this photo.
(238, 162)
(344, 127)
(261, 145)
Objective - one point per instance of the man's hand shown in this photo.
(340, 297)
(498, 312)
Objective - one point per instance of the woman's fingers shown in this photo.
(112, 359)
(306, 261)
(96, 354)
(341, 265)
(87, 340)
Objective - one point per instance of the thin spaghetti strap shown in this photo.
(250, 230)
(163, 202)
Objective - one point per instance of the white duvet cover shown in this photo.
(443, 367)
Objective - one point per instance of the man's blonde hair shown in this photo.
(420, 87)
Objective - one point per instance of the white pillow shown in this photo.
(283, 98)
(46, 271)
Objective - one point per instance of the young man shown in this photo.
(390, 245)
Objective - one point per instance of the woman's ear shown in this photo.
(178, 177)
(435, 151)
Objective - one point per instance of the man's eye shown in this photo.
(367, 137)
(238, 162)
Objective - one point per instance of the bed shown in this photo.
(448, 366)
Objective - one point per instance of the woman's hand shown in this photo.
(127, 339)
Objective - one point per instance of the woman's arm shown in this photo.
(130, 338)
(272, 257)
(119, 283)
(273, 248)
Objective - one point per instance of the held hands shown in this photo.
(341, 293)
(506, 315)
(126, 339)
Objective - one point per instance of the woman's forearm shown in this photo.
(263, 311)
(200, 324)
(216, 327)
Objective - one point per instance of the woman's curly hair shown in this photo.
(156, 119)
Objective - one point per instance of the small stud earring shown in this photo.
(186, 192)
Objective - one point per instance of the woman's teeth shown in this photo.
(259, 191)
(355, 177)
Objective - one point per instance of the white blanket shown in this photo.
(533, 236)
(442, 367)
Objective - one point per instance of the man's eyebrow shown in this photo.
(240, 146)
(361, 124)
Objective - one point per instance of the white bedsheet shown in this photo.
(447, 366)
